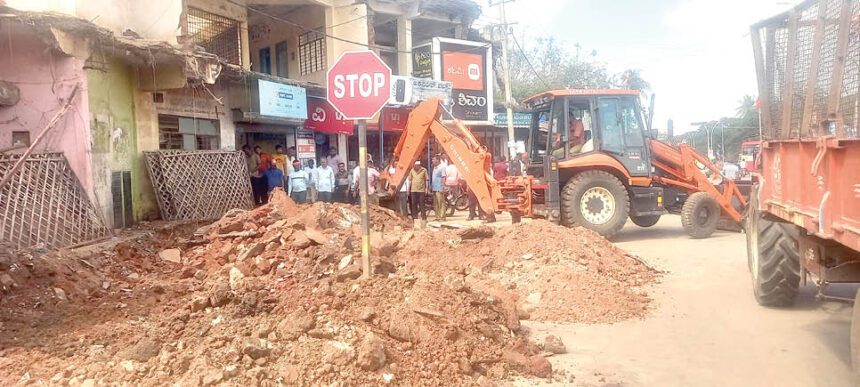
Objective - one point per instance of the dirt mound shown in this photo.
(555, 273)
(260, 297)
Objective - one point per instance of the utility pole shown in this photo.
(512, 150)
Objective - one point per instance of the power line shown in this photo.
(529, 62)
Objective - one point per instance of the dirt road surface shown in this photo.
(705, 328)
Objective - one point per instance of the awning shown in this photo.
(322, 117)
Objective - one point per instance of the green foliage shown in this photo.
(546, 64)
(736, 130)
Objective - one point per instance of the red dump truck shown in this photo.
(803, 222)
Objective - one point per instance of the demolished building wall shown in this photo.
(45, 77)
(151, 19)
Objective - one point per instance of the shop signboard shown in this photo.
(394, 119)
(422, 61)
(468, 66)
(408, 91)
(521, 120)
(306, 148)
(282, 101)
(322, 117)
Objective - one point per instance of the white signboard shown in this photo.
(408, 91)
(284, 101)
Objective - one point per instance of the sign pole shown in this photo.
(362, 186)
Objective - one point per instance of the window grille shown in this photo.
(311, 52)
(217, 34)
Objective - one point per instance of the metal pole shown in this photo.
(381, 139)
(507, 76)
(723, 141)
(362, 186)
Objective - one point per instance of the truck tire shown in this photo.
(645, 221)
(700, 215)
(855, 334)
(774, 259)
(596, 200)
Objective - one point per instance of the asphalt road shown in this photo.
(705, 328)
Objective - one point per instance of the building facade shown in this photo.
(192, 75)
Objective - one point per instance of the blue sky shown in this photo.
(697, 54)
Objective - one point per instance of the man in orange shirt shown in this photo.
(576, 138)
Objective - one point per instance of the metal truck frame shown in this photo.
(804, 218)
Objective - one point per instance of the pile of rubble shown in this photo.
(552, 273)
(263, 297)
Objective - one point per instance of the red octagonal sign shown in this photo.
(359, 84)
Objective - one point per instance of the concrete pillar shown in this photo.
(404, 46)
(342, 144)
(246, 45)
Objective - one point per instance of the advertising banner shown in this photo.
(422, 61)
(322, 117)
(283, 101)
(468, 66)
(306, 148)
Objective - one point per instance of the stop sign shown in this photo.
(359, 84)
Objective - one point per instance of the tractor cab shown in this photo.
(568, 124)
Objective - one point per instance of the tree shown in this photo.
(746, 108)
(632, 80)
(546, 64)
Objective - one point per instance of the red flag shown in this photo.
(757, 104)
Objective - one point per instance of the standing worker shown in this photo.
(417, 190)
(452, 180)
(311, 170)
(298, 183)
(402, 194)
(438, 186)
(341, 191)
(274, 177)
(325, 181)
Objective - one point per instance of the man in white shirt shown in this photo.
(299, 181)
(402, 195)
(372, 178)
(730, 171)
(325, 181)
(452, 180)
(311, 170)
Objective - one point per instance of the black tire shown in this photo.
(461, 203)
(596, 184)
(700, 215)
(645, 221)
(774, 260)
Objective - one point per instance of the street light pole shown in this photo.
(507, 78)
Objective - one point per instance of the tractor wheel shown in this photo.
(700, 215)
(855, 334)
(645, 221)
(595, 200)
(774, 259)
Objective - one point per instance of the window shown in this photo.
(217, 34)
(21, 139)
(311, 52)
(185, 133)
(281, 59)
(265, 61)
(610, 125)
(630, 123)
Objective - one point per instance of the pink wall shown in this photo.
(45, 77)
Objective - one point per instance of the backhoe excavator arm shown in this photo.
(472, 160)
(680, 168)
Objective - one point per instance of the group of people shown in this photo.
(332, 182)
(304, 182)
